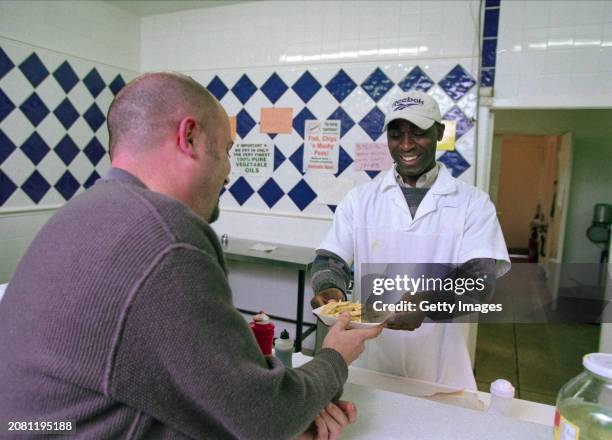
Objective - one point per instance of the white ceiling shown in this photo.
(154, 7)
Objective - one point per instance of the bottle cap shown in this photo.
(599, 364)
(502, 388)
(284, 334)
(261, 318)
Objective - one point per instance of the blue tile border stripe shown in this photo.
(490, 30)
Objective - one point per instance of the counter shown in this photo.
(388, 408)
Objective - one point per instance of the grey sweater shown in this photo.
(120, 317)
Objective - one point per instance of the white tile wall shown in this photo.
(271, 33)
(92, 30)
(554, 54)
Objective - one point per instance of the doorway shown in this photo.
(539, 358)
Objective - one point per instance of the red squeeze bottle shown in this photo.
(263, 329)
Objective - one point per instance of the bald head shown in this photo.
(149, 109)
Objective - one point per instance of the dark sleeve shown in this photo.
(329, 270)
(482, 269)
(186, 357)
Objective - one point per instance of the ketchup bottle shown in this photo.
(263, 329)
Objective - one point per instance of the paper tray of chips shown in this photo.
(331, 320)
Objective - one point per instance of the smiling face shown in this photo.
(413, 149)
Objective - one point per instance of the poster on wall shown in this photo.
(372, 156)
(252, 159)
(321, 146)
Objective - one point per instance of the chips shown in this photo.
(335, 308)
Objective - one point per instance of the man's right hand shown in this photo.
(324, 296)
(349, 343)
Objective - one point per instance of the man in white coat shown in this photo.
(415, 213)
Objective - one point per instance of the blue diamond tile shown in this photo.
(91, 179)
(457, 83)
(65, 76)
(332, 208)
(66, 113)
(94, 82)
(35, 148)
(6, 106)
(34, 70)
(417, 80)
(454, 162)
(491, 23)
(94, 117)
(306, 86)
(344, 161)
(463, 123)
(94, 151)
(67, 185)
(5, 63)
(487, 77)
(279, 158)
(373, 123)
(217, 88)
(377, 84)
(116, 84)
(35, 186)
(341, 85)
(297, 159)
(298, 120)
(489, 53)
(241, 190)
(346, 123)
(372, 174)
(66, 149)
(34, 109)
(274, 88)
(270, 192)
(272, 135)
(6, 147)
(302, 194)
(244, 123)
(7, 188)
(244, 89)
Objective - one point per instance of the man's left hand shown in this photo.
(330, 422)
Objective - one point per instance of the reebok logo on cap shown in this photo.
(401, 104)
(416, 107)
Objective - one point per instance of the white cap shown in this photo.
(502, 388)
(599, 364)
(414, 106)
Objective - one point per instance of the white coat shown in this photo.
(454, 223)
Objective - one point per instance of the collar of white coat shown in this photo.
(445, 183)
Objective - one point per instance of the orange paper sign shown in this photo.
(276, 120)
(232, 121)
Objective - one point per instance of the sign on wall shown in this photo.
(252, 159)
(321, 150)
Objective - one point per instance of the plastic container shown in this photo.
(502, 394)
(283, 348)
(263, 329)
(584, 404)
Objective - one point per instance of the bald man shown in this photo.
(119, 318)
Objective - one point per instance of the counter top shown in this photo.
(387, 415)
(392, 407)
(239, 249)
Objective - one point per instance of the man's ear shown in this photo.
(186, 134)
(441, 128)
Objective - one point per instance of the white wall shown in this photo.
(87, 34)
(91, 30)
(554, 54)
